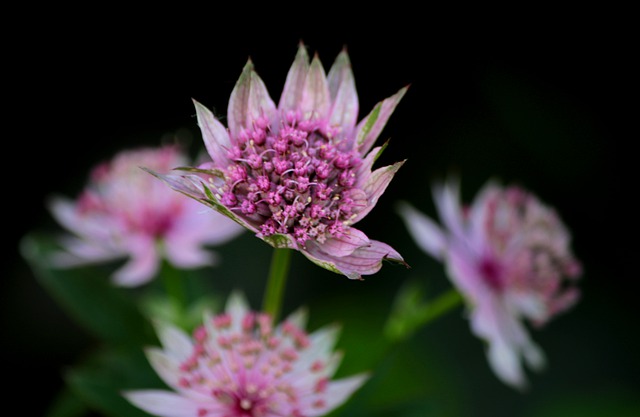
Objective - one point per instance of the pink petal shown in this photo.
(193, 186)
(371, 126)
(337, 394)
(447, 200)
(163, 403)
(316, 100)
(143, 265)
(292, 92)
(249, 100)
(374, 186)
(215, 135)
(363, 261)
(188, 254)
(426, 233)
(346, 244)
(342, 90)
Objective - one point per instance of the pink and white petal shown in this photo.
(426, 233)
(363, 261)
(346, 244)
(193, 186)
(66, 213)
(79, 252)
(342, 90)
(249, 100)
(298, 318)
(237, 306)
(321, 345)
(188, 254)
(447, 200)
(174, 340)
(200, 224)
(337, 394)
(141, 267)
(375, 185)
(462, 268)
(291, 97)
(316, 101)
(215, 135)
(370, 127)
(166, 366)
(163, 403)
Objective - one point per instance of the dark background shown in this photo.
(549, 103)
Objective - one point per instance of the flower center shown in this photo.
(295, 180)
(491, 272)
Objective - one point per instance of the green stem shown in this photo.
(272, 302)
(441, 305)
(174, 287)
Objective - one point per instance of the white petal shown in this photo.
(426, 233)
(163, 403)
(174, 340)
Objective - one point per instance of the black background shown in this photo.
(545, 100)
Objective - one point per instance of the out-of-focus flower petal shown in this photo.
(427, 234)
(163, 403)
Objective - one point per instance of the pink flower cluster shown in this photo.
(298, 175)
(510, 257)
(238, 364)
(125, 212)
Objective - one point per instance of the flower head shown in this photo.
(299, 174)
(509, 255)
(238, 364)
(125, 212)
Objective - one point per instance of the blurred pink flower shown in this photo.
(509, 255)
(125, 212)
(298, 175)
(238, 365)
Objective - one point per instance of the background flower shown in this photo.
(510, 255)
(124, 212)
(237, 364)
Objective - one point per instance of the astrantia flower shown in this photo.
(509, 255)
(125, 212)
(238, 364)
(298, 175)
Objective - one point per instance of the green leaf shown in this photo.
(102, 378)
(67, 404)
(88, 296)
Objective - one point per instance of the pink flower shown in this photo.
(239, 365)
(125, 212)
(298, 175)
(509, 255)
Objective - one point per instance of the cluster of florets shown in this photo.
(292, 180)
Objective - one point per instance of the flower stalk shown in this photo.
(276, 282)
